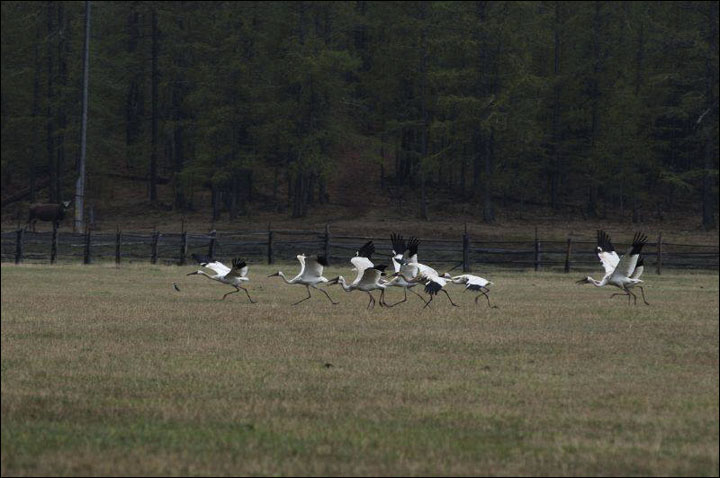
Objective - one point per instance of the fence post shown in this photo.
(270, 246)
(659, 254)
(537, 251)
(567, 255)
(86, 258)
(466, 250)
(327, 241)
(117, 246)
(154, 246)
(183, 248)
(53, 244)
(19, 246)
(211, 246)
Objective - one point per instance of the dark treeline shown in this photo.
(602, 106)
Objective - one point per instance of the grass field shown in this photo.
(109, 371)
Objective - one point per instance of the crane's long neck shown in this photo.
(203, 273)
(280, 273)
(409, 280)
(341, 281)
(597, 283)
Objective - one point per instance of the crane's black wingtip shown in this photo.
(367, 250)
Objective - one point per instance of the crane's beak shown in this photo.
(275, 274)
(192, 273)
(582, 281)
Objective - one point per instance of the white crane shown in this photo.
(311, 269)
(362, 260)
(473, 283)
(622, 272)
(369, 281)
(234, 277)
(369, 277)
(427, 275)
(404, 253)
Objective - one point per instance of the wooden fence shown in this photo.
(464, 253)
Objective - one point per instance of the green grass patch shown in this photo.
(110, 371)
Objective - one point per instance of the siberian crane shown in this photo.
(369, 276)
(232, 276)
(311, 269)
(473, 283)
(370, 280)
(362, 260)
(404, 253)
(427, 276)
(622, 272)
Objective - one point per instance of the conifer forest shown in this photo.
(587, 108)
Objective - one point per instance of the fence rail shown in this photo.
(283, 245)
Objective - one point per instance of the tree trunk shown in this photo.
(61, 115)
(155, 112)
(710, 122)
(52, 170)
(488, 209)
(134, 104)
(424, 112)
(595, 108)
(556, 168)
(35, 112)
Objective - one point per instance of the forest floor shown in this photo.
(355, 208)
(122, 375)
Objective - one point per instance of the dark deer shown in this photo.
(54, 213)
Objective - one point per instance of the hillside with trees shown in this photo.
(587, 109)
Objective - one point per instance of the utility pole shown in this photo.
(80, 184)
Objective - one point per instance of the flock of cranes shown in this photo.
(622, 272)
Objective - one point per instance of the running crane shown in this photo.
(473, 283)
(369, 276)
(622, 272)
(311, 269)
(232, 276)
(404, 253)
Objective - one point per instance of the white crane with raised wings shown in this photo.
(427, 276)
(232, 276)
(362, 260)
(370, 280)
(404, 254)
(622, 272)
(369, 276)
(311, 269)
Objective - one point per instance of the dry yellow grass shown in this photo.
(109, 371)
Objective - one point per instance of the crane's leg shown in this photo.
(427, 304)
(622, 294)
(421, 297)
(631, 294)
(643, 295)
(306, 298)
(248, 294)
(382, 299)
(324, 292)
(486, 296)
(400, 301)
(372, 301)
(236, 290)
(448, 296)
